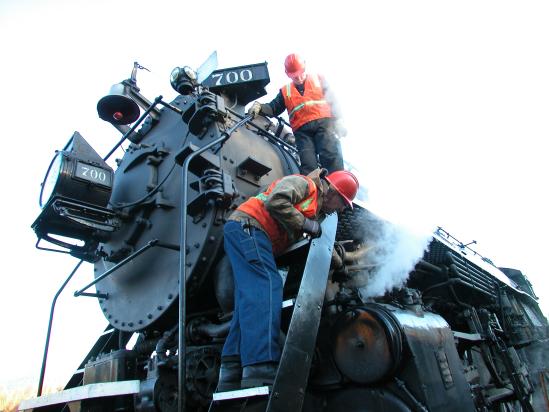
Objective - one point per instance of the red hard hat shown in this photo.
(345, 183)
(294, 64)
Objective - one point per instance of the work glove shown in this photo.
(312, 227)
(255, 109)
(340, 129)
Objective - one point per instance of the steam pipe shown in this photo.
(212, 330)
(356, 255)
(450, 283)
(402, 386)
(472, 274)
(356, 268)
(429, 266)
(162, 344)
(474, 283)
(337, 261)
(504, 393)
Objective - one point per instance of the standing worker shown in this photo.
(311, 116)
(259, 229)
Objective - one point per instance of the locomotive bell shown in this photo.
(118, 107)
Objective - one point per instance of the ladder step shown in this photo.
(242, 393)
(473, 337)
(94, 390)
(288, 303)
(107, 332)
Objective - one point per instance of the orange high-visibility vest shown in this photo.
(255, 207)
(311, 106)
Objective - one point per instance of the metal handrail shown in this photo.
(150, 244)
(48, 334)
(183, 261)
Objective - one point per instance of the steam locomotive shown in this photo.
(458, 334)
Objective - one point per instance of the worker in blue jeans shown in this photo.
(256, 279)
(257, 231)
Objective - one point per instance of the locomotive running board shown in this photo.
(241, 393)
(288, 391)
(94, 390)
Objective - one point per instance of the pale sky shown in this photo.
(446, 103)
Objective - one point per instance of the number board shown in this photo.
(93, 174)
(246, 82)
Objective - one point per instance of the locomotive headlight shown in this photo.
(51, 178)
(77, 179)
(183, 80)
(74, 195)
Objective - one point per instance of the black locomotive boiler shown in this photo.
(460, 335)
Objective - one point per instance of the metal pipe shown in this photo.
(212, 330)
(337, 261)
(163, 342)
(473, 273)
(171, 107)
(429, 266)
(357, 254)
(48, 334)
(502, 394)
(437, 285)
(356, 268)
(473, 282)
(402, 386)
(470, 286)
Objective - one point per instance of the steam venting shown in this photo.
(393, 251)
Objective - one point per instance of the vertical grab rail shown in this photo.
(46, 346)
(181, 376)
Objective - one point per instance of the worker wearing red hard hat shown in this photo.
(259, 229)
(311, 115)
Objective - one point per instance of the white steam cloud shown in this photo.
(395, 251)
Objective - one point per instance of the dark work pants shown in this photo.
(255, 327)
(318, 138)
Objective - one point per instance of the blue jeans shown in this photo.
(255, 327)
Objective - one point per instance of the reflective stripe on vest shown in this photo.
(307, 107)
(255, 207)
(309, 103)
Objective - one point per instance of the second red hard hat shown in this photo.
(345, 183)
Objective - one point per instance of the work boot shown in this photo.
(230, 374)
(260, 374)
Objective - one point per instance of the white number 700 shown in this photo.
(232, 77)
